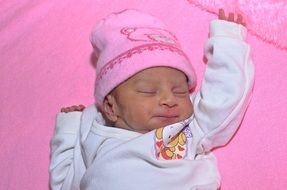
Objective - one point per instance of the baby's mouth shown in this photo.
(167, 118)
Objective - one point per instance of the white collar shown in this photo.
(113, 132)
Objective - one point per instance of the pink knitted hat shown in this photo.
(129, 42)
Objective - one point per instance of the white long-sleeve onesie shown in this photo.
(88, 155)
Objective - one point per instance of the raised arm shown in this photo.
(222, 100)
(65, 153)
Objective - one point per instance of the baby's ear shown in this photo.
(109, 108)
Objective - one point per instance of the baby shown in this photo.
(149, 128)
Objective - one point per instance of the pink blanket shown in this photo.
(45, 58)
(267, 19)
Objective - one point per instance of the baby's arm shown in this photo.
(63, 144)
(225, 92)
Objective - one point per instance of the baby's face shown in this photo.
(151, 99)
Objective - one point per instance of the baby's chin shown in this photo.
(159, 122)
(156, 123)
(162, 122)
(146, 129)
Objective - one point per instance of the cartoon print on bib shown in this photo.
(171, 142)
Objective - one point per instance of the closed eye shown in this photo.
(181, 89)
(181, 92)
(148, 92)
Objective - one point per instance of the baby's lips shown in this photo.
(167, 116)
(171, 113)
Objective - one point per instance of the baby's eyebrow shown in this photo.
(181, 81)
(143, 81)
(180, 86)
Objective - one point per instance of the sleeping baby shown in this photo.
(150, 128)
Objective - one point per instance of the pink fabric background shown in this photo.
(45, 58)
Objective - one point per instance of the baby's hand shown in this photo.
(73, 108)
(231, 17)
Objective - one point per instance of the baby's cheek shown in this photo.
(187, 109)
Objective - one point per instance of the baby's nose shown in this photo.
(167, 98)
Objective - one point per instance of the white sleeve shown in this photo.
(222, 100)
(67, 165)
(63, 143)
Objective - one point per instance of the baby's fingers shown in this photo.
(221, 14)
(80, 108)
(240, 20)
(73, 108)
(66, 109)
(231, 17)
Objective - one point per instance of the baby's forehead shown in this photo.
(158, 74)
